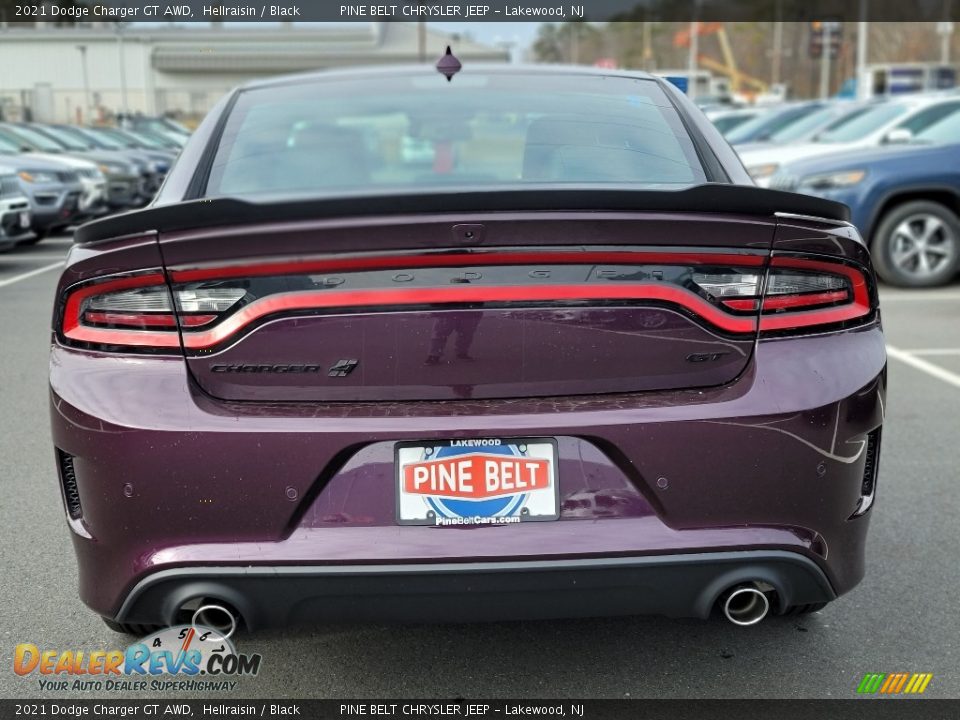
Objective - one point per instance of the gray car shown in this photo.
(94, 182)
(52, 187)
(124, 180)
(151, 171)
(158, 160)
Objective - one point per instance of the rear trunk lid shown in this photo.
(437, 306)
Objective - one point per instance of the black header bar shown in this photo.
(66, 11)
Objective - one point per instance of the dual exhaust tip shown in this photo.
(745, 605)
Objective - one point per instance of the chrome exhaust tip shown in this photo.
(745, 605)
(215, 617)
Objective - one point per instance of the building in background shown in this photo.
(92, 73)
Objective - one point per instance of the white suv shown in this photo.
(896, 121)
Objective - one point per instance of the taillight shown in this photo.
(808, 294)
(138, 311)
(735, 294)
(799, 293)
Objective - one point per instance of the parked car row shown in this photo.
(891, 161)
(53, 176)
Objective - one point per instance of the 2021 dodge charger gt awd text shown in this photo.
(566, 361)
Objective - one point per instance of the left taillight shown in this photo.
(138, 312)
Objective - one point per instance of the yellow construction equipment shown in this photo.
(739, 81)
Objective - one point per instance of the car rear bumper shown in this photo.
(171, 480)
(672, 585)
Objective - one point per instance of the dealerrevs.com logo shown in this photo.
(179, 658)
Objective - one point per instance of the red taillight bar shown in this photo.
(147, 319)
(787, 302)
(167, 320)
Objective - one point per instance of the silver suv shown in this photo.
(15, 215)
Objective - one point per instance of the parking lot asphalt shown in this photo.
(902, 618)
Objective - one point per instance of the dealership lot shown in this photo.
(900, 619)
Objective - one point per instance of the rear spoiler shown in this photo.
(707, 198)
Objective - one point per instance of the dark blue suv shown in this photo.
(905, 200)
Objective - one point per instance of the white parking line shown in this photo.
(934, 351)
(924, 366)
(31, 273)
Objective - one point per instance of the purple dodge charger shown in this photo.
(524, 342)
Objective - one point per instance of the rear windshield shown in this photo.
(388, 134)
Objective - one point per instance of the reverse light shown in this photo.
(722, 285)
(207, 299)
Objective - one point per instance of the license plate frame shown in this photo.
(532, 458)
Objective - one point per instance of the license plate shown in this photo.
(490, 481)
(24, 219)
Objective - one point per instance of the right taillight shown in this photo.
(806, 294)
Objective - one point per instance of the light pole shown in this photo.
(777, 52)
(123, 69)
(692, 60)
(86, 80)
(827, 30)
(945, 30)
(863, 35)
(647, 45)
(775, 61)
